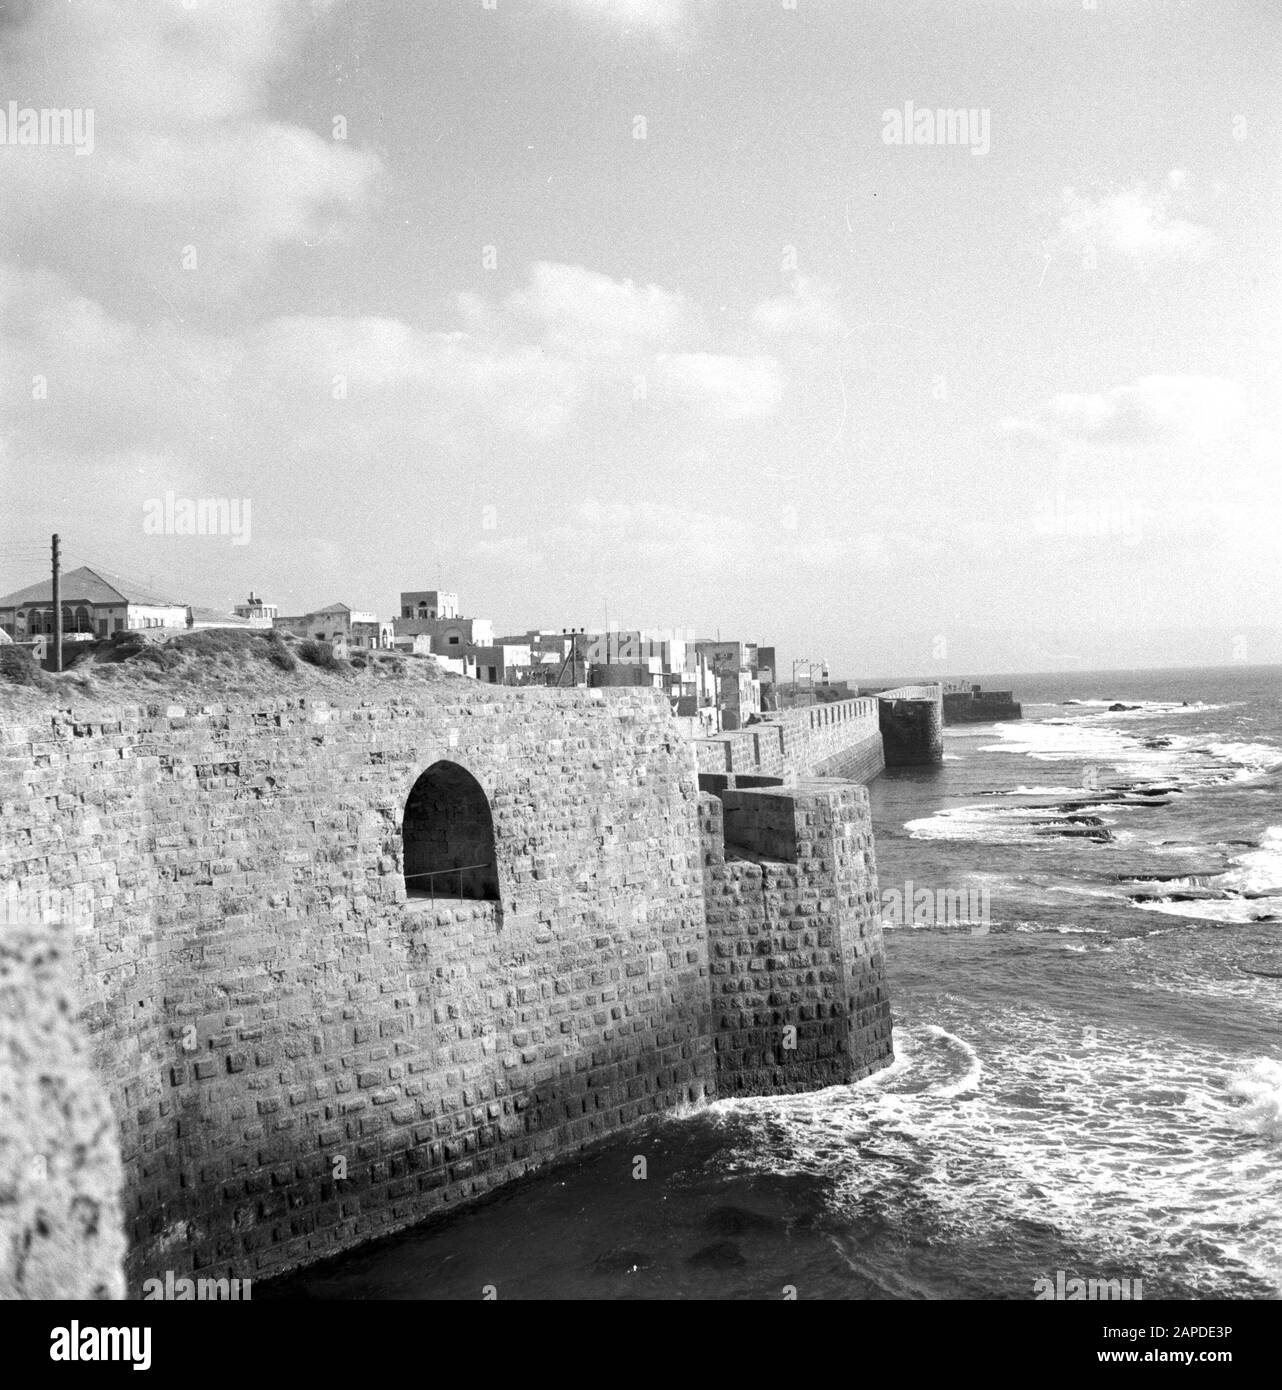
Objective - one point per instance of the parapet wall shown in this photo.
(301, 1059)
(841, 739)
(798, 985)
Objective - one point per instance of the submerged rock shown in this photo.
(1074, 832)
(724, 1254)
(1266, 963)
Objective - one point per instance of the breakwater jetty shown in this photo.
(970, 704)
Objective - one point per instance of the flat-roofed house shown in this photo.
(345, 628)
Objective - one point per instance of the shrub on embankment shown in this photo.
(218, 660)
(17, 668)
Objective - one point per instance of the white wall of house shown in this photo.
(147, 615)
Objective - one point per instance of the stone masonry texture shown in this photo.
(799, 998)
(912, 725)
(61, 1228)
(841, 739)
(301, 1058)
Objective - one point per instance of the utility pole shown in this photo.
(572, 657)
(57, 606)
(797, 661)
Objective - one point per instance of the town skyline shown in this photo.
(831, 327)
(790, 665)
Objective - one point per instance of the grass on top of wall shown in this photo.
(229, 660)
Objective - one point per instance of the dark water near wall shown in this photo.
(1089, 1081)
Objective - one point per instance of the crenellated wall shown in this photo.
(840, 739)
(301, 1057)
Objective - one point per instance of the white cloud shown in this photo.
(659, 537)
(668, 18)
(570, 299)
(340, 390)
(1144, 412)
(811, 309)
(185, 152)
(1135, 223)
(725, 388)
(387, 370)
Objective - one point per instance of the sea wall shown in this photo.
(798, 988)
(841, 739)
(976, 706)
(346, 964)
(61, 1226)
(911, 719)
(300, 1056)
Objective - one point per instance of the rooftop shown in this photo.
(88, 585)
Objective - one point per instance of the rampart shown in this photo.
(798, 990)
(60, 1172)
(347, 964)
(911, 719)
(841, 739)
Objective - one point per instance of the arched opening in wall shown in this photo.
(448, 837)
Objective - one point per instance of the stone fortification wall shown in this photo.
(912, 725)
(798, 988)
(61, 1226)
(976, 706)
(841, 739)
(345, 964)
(300, 1056)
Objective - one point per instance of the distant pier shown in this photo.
(970, 704)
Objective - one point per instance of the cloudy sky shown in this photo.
(637, 307)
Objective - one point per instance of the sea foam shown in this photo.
(1260, 1086)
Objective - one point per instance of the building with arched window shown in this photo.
(428, 604)
(94, 603)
